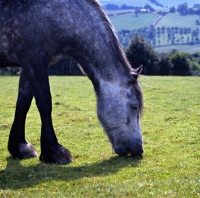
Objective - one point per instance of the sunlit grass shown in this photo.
(170, 166)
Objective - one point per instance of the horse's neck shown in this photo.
(95, 45)
(101, 65)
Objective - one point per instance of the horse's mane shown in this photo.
(115, 46)
(117, 50)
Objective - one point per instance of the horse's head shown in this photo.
(119, 110)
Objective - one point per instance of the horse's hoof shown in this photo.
(22, 151)
(56, 154)
(27, 150)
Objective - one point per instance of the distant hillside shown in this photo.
(167, 3)
(163, 28)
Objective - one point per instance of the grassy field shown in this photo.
(179, 21)
(170, 166)
(130, 22)
(180, 48)
(175, 19)
(171, 20)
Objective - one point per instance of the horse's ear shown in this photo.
(136, 72)
(139, 70)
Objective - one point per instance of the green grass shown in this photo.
(175, 19)
(130, 22)
(180, 48)
(170, 166)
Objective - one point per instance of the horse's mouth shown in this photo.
(128, 152)
(131, 154)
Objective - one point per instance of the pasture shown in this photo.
(169, 21)
(131, 22)
(180, 48)
(170, 166)
(175, 19)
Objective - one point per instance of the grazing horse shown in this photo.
(35, 34)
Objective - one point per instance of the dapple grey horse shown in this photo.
(35, 34)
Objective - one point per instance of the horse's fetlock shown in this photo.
(55, 154)
(27, 150)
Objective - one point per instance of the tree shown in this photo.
(10, 71)
(163, 29)
(112, 7)
(164, 64)
(136, 12)
(181, 65)
(148, 7)
(125, 7)
(66, 66)
(172, 9)
(183, 8)
(195, 67)
(139, 52)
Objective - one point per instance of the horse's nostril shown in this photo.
(137, 152)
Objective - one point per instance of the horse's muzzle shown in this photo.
(133, 150)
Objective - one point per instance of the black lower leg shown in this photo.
(36, 72)
(51, 150)
(17, 144)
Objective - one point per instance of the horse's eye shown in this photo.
(134, 107)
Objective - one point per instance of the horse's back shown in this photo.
(32, 24)
(54, 27)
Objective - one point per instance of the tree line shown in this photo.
(122, 7)
(66, 66)
(184, 9)
(139, 52)
(154, 35)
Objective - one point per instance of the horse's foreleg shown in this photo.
(51, 150)
(17, 144)
(37, 74)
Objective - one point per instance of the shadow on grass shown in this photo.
(16, 176)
